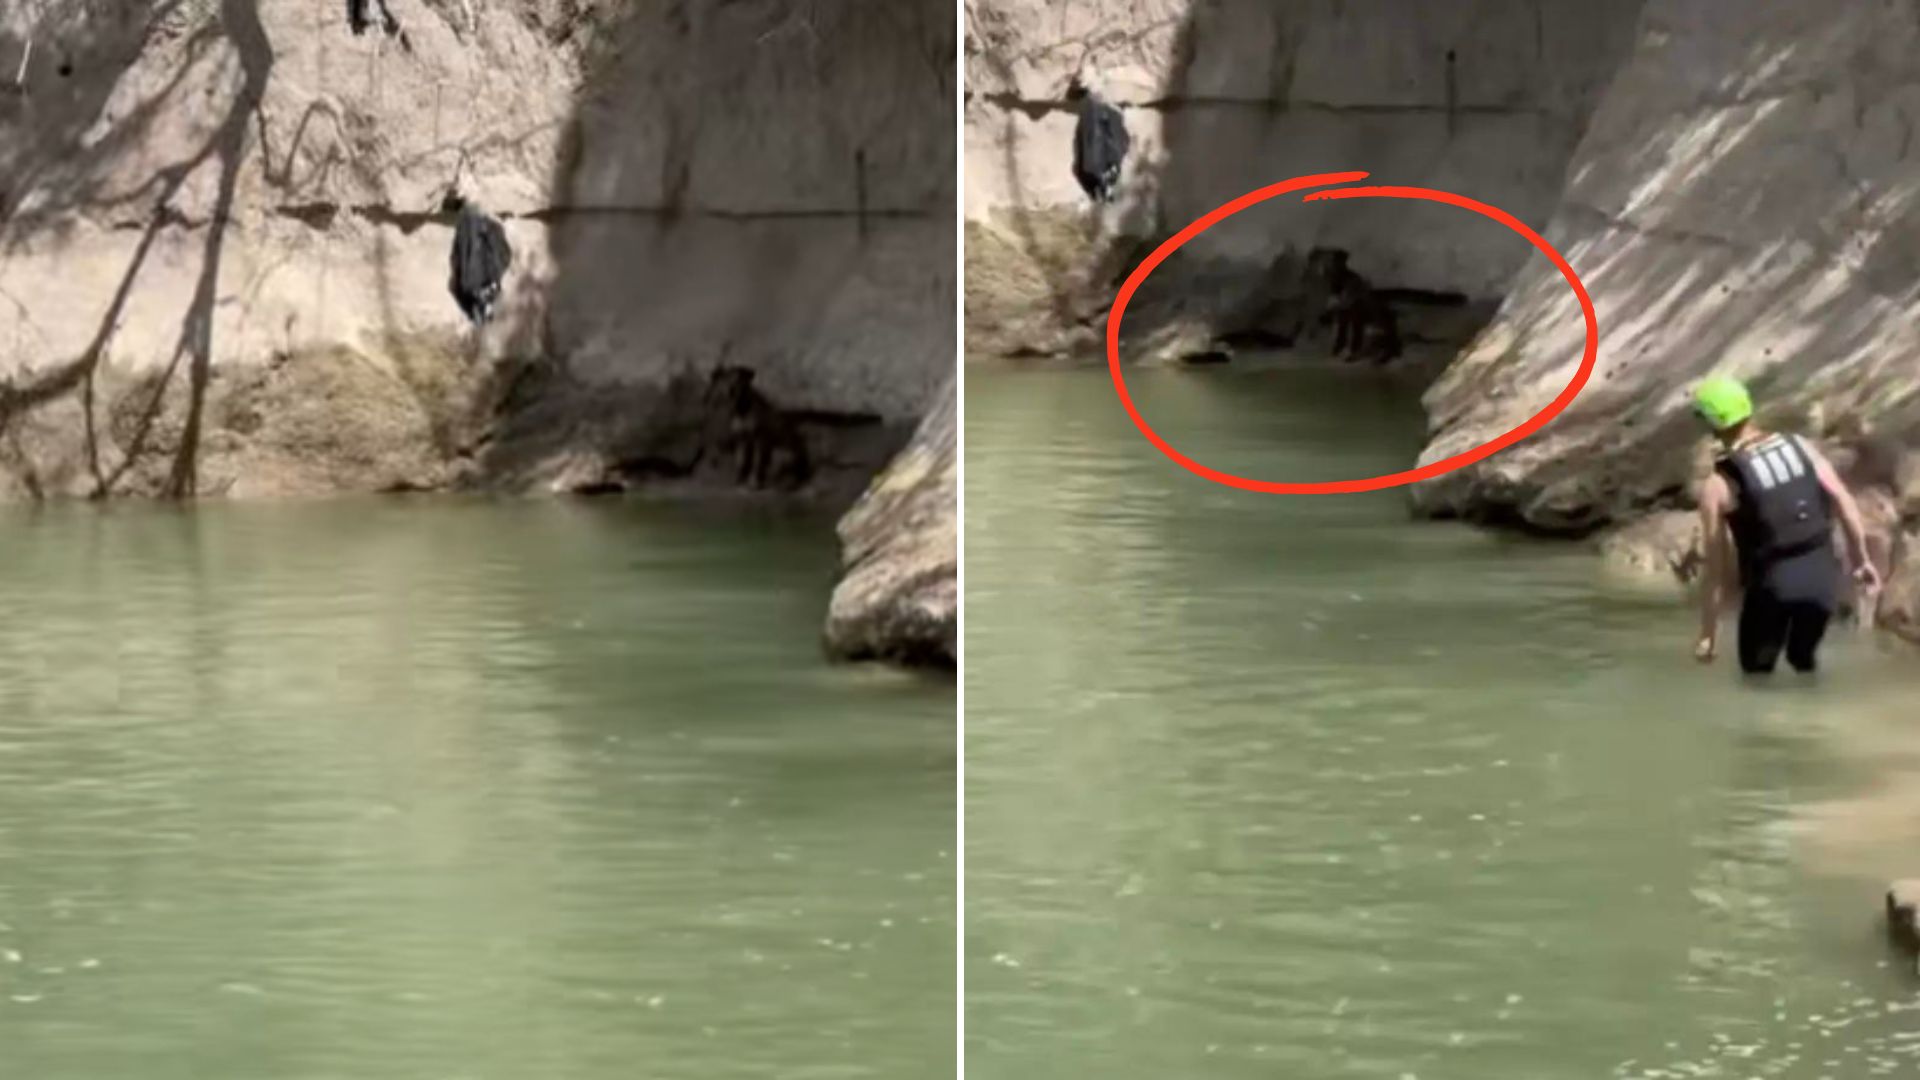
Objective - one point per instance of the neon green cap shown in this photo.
(1722, 402)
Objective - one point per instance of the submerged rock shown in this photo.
(1664, 543)
(900, 553)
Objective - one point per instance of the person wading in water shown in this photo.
(1774, 497)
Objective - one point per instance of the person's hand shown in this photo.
(1868, 576)
(1703, 649)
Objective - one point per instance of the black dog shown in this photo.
(1353, 307)
(756, 431)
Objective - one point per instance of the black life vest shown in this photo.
(1780, 508)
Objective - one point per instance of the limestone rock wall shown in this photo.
(899, 597)
(1744, 200)
(222, 265)
(1486, 97)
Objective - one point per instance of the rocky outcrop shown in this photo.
(1740, 202)
(223, 262)
(1488, 98)
(1657, 545)
(897, 598)
(1900, 599)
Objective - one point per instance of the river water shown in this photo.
(1270, 786)
(459, 789)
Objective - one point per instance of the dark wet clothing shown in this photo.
(1100, 144)
(481, 256)
(1789, 608)
(1782, 527)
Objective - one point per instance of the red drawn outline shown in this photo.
(1376, 483)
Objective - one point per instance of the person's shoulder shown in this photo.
(1806, 444)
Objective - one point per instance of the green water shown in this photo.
(1268, 786)
(440, 789)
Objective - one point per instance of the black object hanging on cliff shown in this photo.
(1100, 144)
(764, 438)
(481, 256)
(359, 18)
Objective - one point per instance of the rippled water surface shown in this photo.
(1266, 786)
(458, 790)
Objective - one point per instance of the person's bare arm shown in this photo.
(1714, 497)
(1850, 519)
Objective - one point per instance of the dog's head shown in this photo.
(729, 386)
(1326, 263)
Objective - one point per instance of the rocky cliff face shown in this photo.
(224, 262)
(1487, 98)
(1742, 201)
(898, 598)
(223, 266)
